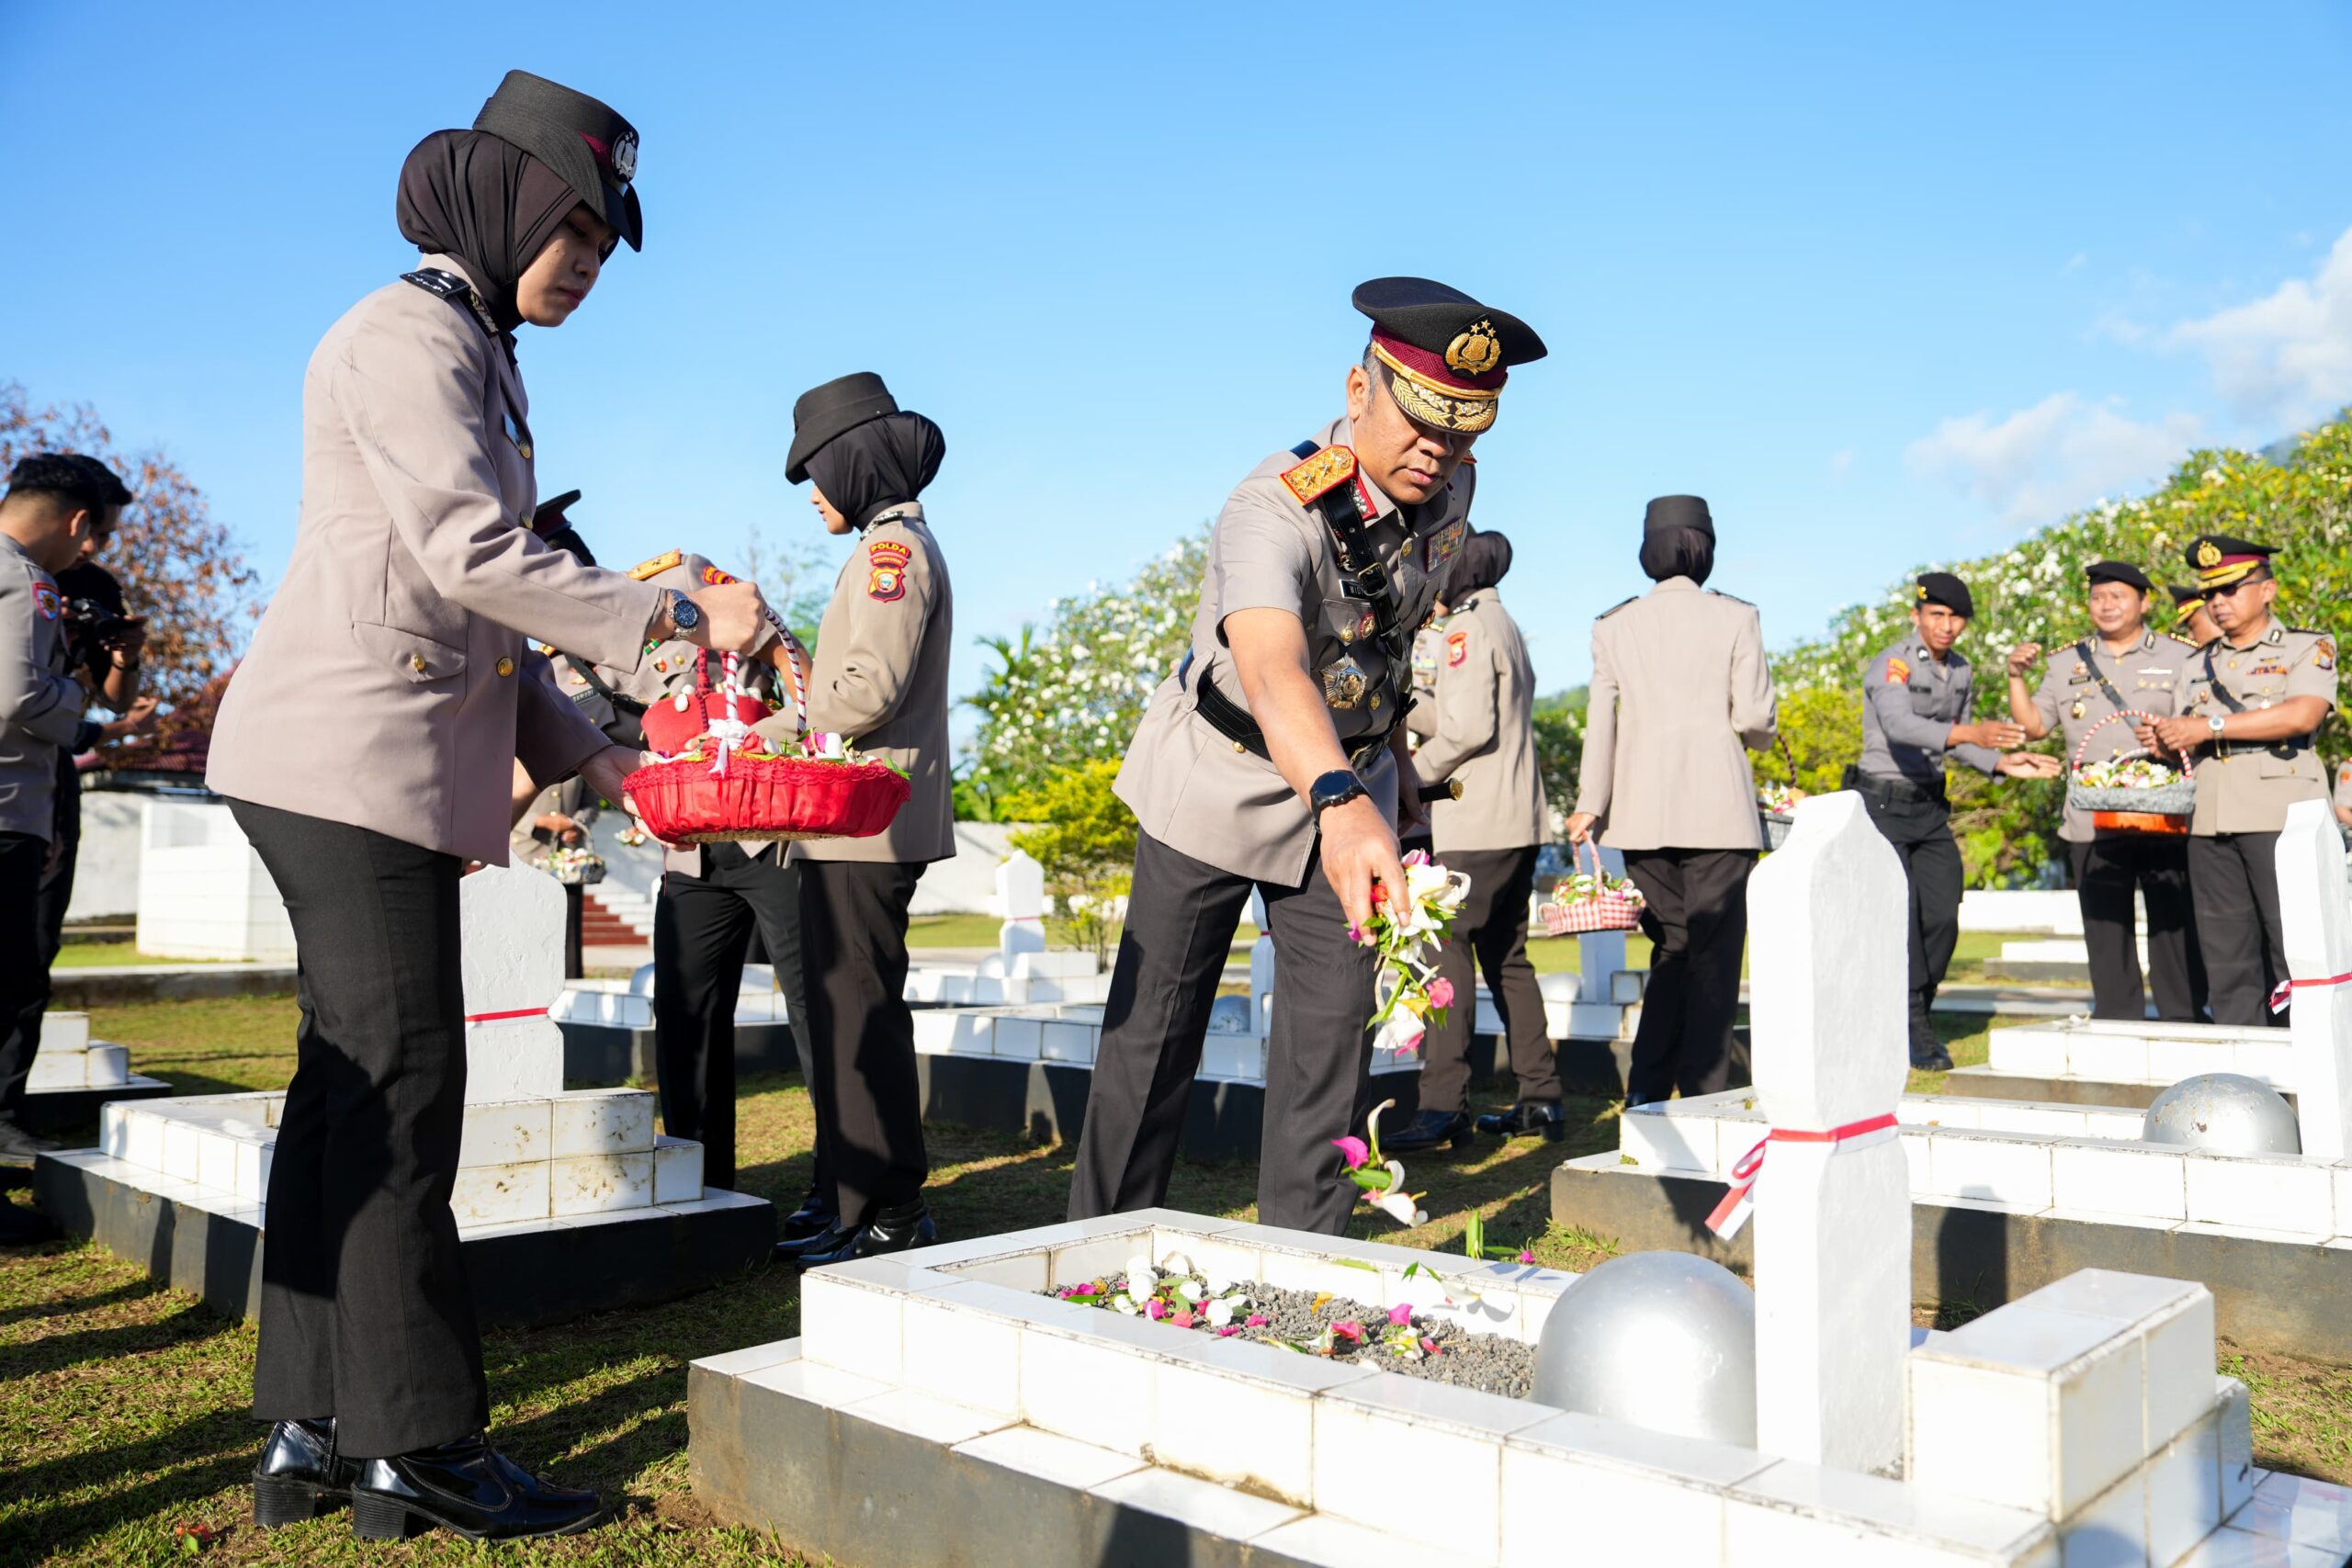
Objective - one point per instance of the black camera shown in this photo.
(93, 623)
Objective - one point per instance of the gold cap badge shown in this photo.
(2209, 553)
(1476, 351)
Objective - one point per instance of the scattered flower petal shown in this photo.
(1401, 1313)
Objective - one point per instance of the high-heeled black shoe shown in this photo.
(467, 1487)
(299, 1475)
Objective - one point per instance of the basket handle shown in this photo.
(1584, 846)
(2188, 769)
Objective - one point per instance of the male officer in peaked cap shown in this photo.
(2192, 621)
(1916, 696)
(2257, 694)
(1274, 757)
(2122, 666)
(580, 138)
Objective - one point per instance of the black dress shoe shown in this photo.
(890, 1230)
(1936, 1061)
(1427, 1129)
(1544, 1116)
(467, 1487)
(813, 1218)
(823, 1243)
(299, 1475)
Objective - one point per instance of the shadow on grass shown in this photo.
(114, 1296)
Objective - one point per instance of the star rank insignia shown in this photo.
(886, 570)
(1325, 471)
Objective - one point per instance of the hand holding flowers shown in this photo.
(1408, 926)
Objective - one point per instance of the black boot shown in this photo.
(813, 1218)
(467, 1487)
(1935, 1059)
(1427, 1129)
(890, 1230)
(1544, 1116)
(299, 1475)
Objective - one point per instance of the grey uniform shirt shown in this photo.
(41, 705)
(1681, 693)
(2249, 789)
(2151, 678)
(1909, 703)
(1209, 798)
(1482, 732)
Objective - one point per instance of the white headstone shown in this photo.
(2318, 931)
(1827, 916)
(1021, 896)
(510, 920)
(1262, 968)
(1600, 955)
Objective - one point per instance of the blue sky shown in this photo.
(1885, 284)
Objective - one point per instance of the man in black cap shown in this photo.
(2192, 621)
(2122, 667)
(1273, 758)
(1916, 698)
(2256, 698)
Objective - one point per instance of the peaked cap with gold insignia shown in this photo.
(1448, 354)
(2220, 560)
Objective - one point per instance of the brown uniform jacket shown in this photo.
(1680, 695)
(1480, 721)
(668, 668)
(1199, 793)
(385, 687)
(881, 682)
(2249, 789)
(2151, 678)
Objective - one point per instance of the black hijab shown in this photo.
(1677, 551)
(487, 203)
(1485, 557)
(879, 464)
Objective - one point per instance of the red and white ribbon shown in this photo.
(505, 1017)
(2286, 988)
(1733, 1211)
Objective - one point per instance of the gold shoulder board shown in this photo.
(657, 566)
(1326, 470)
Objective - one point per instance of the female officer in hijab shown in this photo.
(880, 682)
(1680, 695)
(364, 746)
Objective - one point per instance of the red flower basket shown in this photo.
(783, 797)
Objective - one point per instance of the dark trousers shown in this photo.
(861, 1035)
(1181, 920)
(702, 929)
(24, 995)
(1695, 915)
(2108, 872)
(1920, 832)
(1491, 929)
(24, 963)
(575, 912)
(2235, 879)
(365, 1314)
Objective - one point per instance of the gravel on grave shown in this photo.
(1491, 1363)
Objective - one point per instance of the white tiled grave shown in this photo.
(2152, 1055)
(2082, 1423)
(70, 1062)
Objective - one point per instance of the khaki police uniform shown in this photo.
(366, 745)
(2083, 686)
(1681, 693)
(1420, 714)
(40, 714)
(1910, 701)
(1479, 730)
(880, 680)
(2244, 788)
(712, 897)
(1217, 819)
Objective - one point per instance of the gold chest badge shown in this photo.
(1344, 685)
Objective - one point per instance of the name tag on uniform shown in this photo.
(1445, 544)
(2080, 679)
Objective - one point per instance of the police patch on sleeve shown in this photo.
(1457, 649)
(2325, 654)
(714, 577)
(45, 601)
(1898, 672)
(886, 570)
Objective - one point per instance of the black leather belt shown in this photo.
(1894, 792)
(2285, 751)
(1232, 721)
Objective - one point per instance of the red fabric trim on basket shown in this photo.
(780, 797)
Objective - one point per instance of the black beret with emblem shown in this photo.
(2116, 571)
(584, 140)
(1943, 587)
(1678, 511)
(822, 412)
(1449, 355)
(2220, 559)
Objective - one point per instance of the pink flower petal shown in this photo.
(1155, 1309)
(1350, 1329)
(1441, 993)
(1258, 1320)
(1430, 1347)
(1227, 1332)
(1525, 1256)
(1400, 1314)
(1352, 1150)
(1183, 1318)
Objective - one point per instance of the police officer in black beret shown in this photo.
(1916, 696)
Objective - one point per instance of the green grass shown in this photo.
(98, 954)
(123, 1406)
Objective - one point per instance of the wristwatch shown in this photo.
(1335, 788)
(2213, 723)
(685, 614)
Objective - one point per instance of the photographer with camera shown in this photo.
(60, 508)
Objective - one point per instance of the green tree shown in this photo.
(1085, 842)
(1559, 749)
